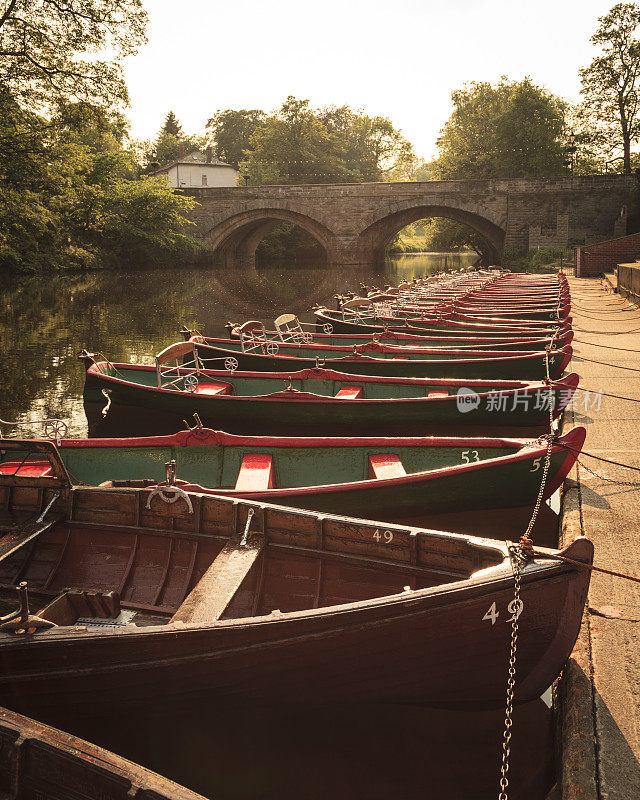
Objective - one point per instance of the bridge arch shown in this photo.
(235, 239)
(373, 240)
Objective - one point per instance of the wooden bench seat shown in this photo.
(256, 473)
(213, 388)
(385, 465)
(350, 392)
(213, 593)
(438, 393)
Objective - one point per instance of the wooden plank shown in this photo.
(385, 465)
(350, 392)
(256, 473)
(12, 540)
(215, 590)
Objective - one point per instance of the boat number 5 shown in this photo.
(536, 465)
(515, 609)
(470, 455)
(385, 536)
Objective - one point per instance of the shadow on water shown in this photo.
(238, 752)
(377, 752)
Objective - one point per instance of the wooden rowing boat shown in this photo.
(38, 762)
(376, 359)
(254, 329)
(158, 595)
(376, 477)
(320, 400)
(351, 322)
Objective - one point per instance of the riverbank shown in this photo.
(600, 690)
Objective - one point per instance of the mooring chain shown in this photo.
(518, 555)
(604, 478)
(514, 556)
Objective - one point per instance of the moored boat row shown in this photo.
(249, 562)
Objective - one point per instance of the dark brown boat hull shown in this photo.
(423, 647)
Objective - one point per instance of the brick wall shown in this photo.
(604, 256)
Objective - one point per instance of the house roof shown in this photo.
(197, 157)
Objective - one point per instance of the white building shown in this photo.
(198, 169)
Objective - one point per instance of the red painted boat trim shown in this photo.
(507, 387)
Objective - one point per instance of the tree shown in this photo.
(171, 125)
(232, 133)
(512, 129)
(609, 84)
(69, 196)
(49, 49)
(299, 144)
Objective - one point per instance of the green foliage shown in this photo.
(609, 116)
(48, 49)
(232, 132)
(299, 144)
(69, 197)
(512, 129)
(291, 246)
(544, 260)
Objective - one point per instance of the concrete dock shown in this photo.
(600, 689)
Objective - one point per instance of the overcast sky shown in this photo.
(398, 58)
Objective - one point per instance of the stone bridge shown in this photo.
(355, 222)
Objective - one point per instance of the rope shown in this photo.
(607, 333)
(606, 364)
(608, 346)
(529, 550)
(601, 458)
(600, 393)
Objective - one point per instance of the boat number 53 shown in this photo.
(470, 455)
(515, 609)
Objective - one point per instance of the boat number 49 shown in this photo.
(385, 536)
(515, 609)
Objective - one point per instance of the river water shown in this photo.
(371, 752)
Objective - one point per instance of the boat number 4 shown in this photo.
(514, 609)
(470, 455)
(385, 536)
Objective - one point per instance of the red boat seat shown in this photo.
(438, 393)
(256, 473)
(350, 392)
(40, 468)
(385, 465)
(213, 388)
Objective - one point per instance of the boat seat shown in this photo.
(35, 468)
(256, 473)
(385, 465)
(75, 604)
(213, 388)
(350, 392)
(438, 393)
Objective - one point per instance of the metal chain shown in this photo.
(514, 555)
(603, 478)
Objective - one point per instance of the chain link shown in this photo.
(514, 555)
(517, 559)
(604, 478)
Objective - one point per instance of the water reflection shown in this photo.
(347, 752)
(47, 320)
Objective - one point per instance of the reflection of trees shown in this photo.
(47, 320)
